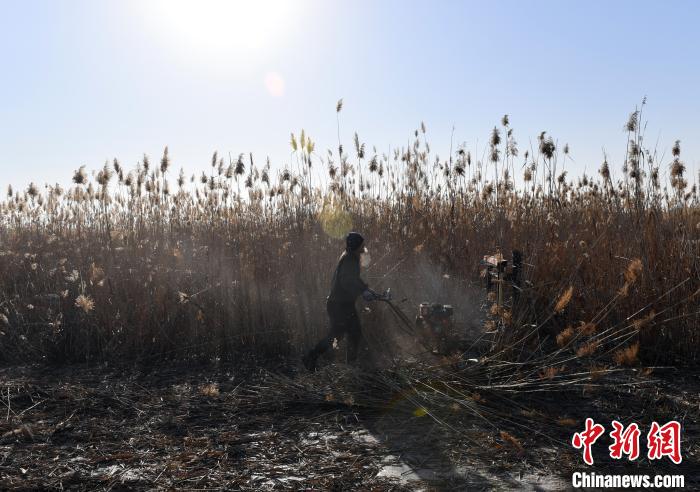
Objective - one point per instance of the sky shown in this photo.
(84, 81)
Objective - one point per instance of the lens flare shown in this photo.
(335, 220)
(274, 83)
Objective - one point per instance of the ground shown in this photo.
(185, 426)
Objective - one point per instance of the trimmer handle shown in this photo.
(386, 296)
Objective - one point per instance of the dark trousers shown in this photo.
(343, 319)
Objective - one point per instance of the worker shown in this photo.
(346, 287)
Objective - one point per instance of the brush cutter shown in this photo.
(433, 327)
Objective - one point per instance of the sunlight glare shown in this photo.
(220, 30)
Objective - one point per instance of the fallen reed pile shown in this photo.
(458, 423)
(101, 428)
(495, 409)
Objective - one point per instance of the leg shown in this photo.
(327, 342)
(337, 328)
(354, 335)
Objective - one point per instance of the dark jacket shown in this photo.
(347, 285)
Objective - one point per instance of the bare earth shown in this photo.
(215, 427)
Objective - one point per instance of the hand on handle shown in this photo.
(369, 295)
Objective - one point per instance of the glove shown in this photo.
(369, 295)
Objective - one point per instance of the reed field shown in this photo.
(153, 263)
(228, 271)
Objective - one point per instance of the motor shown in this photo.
(435, 324)
(433, 329)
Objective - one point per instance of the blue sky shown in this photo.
(82, 81)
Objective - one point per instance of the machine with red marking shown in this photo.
(435, 324)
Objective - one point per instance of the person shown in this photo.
(346, 287)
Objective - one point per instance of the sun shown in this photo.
(221, 31)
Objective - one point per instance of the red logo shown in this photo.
(662, 440)
(665, 441)
(587, 438)
(626, 441)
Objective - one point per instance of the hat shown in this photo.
(354, 241)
